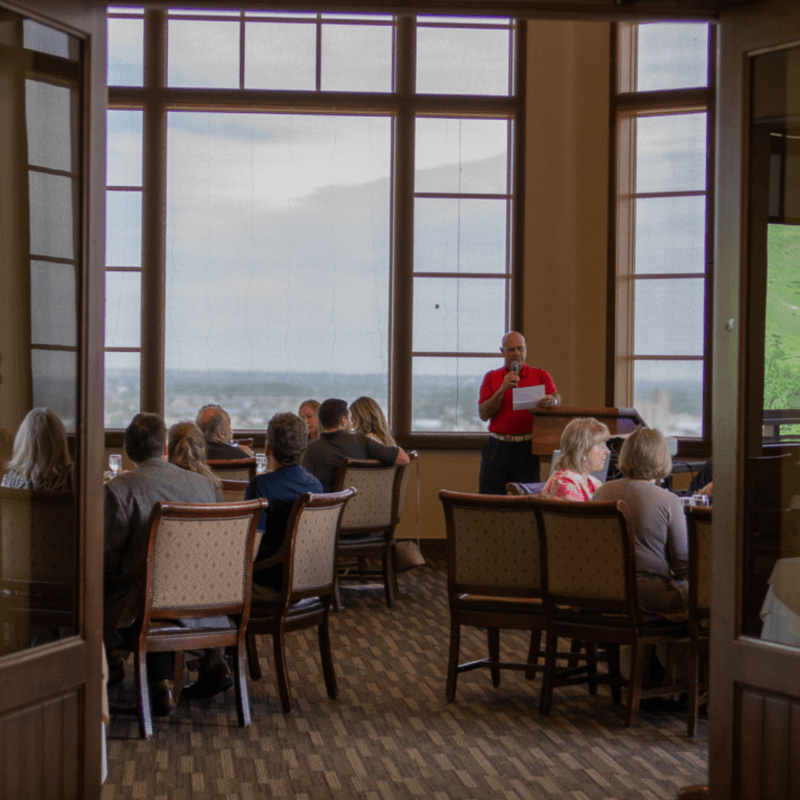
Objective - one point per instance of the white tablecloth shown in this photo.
(780, 612)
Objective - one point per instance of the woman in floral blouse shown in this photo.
(583, 451)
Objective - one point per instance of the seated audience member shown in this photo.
(129, 499)
(40, 459)
(308, 413)
(337, 442)
(368, 419)
(583, 451)
(287, 437)
(702, 482)
(215, 423)
(657, 521)
(186, 448)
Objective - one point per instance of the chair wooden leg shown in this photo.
(281, 673)
(252, 657)
(178, 670)
(574, 648)
(533, 655)
(591, 666)
(493, 635)
(240, 685)
(635, 683)
(612, 653)
(143, 695)
(546, 697)
(694, 686)
(452, 663)
(337, 598)
(327, 659)
(388, 578)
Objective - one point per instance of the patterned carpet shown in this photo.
(391, 735)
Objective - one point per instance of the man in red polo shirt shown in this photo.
(507, 453)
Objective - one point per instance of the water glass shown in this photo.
(261, 463)
(115, 464)
(702, 500)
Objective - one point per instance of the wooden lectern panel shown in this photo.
(550, 422)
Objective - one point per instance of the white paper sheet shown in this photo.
(525, 397)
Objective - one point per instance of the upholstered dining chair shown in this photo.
(308, 557)
(369, 522)
(199, 566)
(515, 489)
(238, 469)
(699, 523)
(589, 591)
(493, 578)
(233, 490)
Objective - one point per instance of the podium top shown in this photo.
(550, 422)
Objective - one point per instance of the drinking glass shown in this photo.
(115, 464)
(261, 463)
(701, 500)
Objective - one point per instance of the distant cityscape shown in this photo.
(441, 404)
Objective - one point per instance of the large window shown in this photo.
(308, 205)
(664, 116)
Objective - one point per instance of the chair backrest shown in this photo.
(233, 490)
(517, 489)
(403, 474)
(587, 555)
(312, 534)
(699, 525)
(492, 545)
(200, 559)
(374, 508)
(239, 469)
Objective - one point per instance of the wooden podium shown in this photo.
(550, 422)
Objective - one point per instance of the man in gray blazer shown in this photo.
(129, 499)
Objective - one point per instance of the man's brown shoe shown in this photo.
(163, 697)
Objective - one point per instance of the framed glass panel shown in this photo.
(49, 145)
(203, 54)
(44, 39)
(670, 235)
(670, 317)
(52, 215)
(123, 309)
(671, 153)
(458, 314)
(459, 235)
(124, 147)
(280, 55)
(357, 58)
(125, 52)
(124, 229)
(447, 63)
(445, 393)
(53, 315)
(669, 396)
(122, 375)
(672, 55)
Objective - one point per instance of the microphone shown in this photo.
(515, 367)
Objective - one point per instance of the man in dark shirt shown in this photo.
(215, 422)
(287, 437)
(337, 442)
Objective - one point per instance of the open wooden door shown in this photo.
(754, 721)
(52, 133)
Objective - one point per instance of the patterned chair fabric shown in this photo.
(493, 577)
(699, 521)
(589, 591)
(369, 522)
(199, 566)
(235, 469)
(308, 556)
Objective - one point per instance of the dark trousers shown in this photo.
(504, 462)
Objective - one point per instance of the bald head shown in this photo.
(514, 349)
(215, 423)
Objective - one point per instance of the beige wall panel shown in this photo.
(566, 228)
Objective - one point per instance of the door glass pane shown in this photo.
(40, 227)
(771, 562)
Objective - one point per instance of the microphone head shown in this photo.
(515, 366)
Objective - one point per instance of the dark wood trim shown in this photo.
(518, 188)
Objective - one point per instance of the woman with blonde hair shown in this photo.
(583, 451)
(656, 519)
(41, 457)
(308, 413)
(369, 420)
(186, 448)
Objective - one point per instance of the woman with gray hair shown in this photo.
(657, 522)
(41, 456)
(583, 451)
